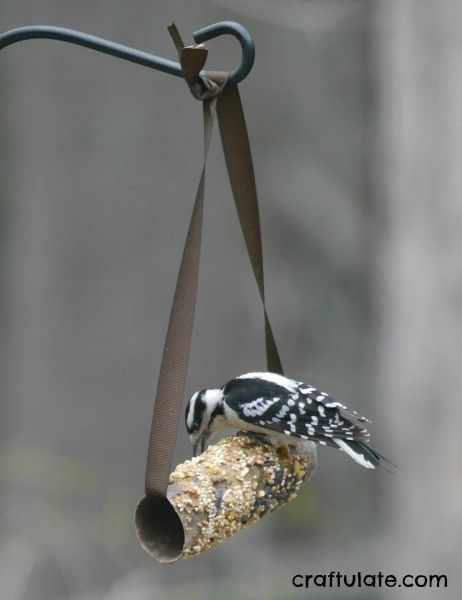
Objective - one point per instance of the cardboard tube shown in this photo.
(213, 496)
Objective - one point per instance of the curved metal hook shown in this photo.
(137, 56)
(245, 39)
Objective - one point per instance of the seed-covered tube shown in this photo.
(230, 486)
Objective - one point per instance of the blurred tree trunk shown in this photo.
(419, 275)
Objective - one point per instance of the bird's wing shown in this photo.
(294, 409)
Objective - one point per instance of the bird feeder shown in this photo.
(233, 483)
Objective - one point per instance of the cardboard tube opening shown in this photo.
(159, 528)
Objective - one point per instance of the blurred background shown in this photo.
(354, 112)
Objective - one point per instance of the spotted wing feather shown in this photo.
(297, 410)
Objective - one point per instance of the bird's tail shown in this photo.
(365, 455)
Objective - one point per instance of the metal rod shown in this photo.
(137, 56)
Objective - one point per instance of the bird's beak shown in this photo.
(199, 446)
(195, 447)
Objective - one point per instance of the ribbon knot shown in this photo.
(192, 61)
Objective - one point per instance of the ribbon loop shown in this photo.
(224, 100)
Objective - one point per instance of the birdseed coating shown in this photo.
(232, 485)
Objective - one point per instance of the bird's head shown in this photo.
(201, 412)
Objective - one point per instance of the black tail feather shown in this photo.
(377, 459)
(365, 455)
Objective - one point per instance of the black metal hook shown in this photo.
(137, 56)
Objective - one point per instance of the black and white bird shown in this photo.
(283, 411)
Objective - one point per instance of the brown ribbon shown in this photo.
(223, 100)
